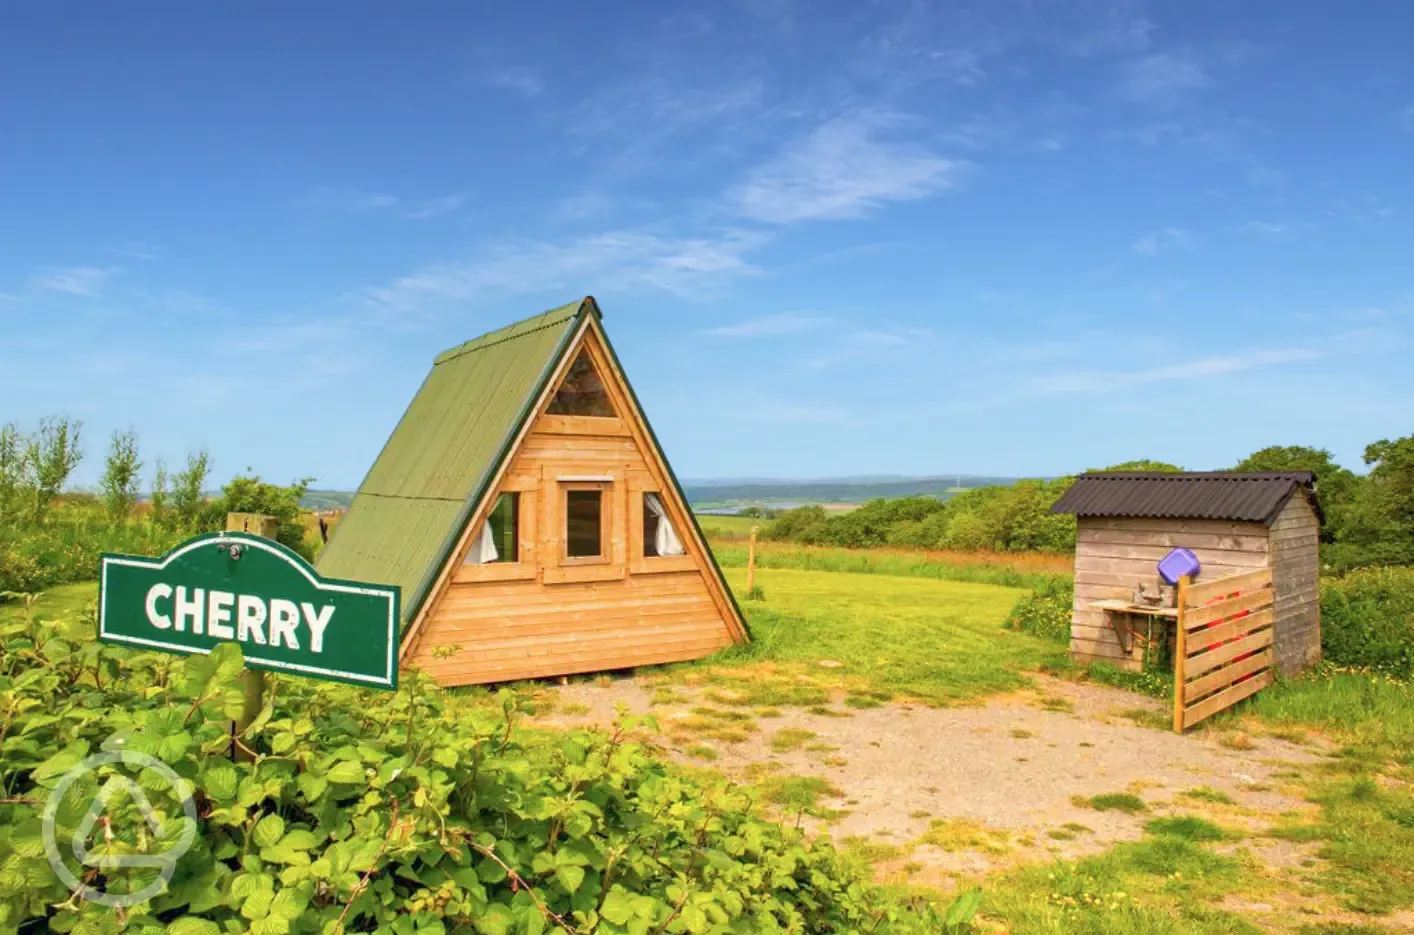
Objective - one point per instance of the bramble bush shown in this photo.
(1367, 620)
(1046, 611)
(413, 812)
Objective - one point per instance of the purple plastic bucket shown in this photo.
(1178, 563)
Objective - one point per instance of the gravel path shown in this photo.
(1002, 776)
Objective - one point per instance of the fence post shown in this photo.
(252, 680)
(751, 562)
(1180, 652)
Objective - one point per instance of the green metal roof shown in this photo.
(411, 508)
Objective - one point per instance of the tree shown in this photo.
(1336, 487)
(120, 475)
(253, 495)
(1144, 464)
(159, 502)
(187, 487)
(51, 455)
(13, 471)
(1379, 529)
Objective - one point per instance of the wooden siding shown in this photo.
(1296, 569)
(1113, 555)
(526, 629)
(577, 615)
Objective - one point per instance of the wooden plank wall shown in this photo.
(1225, 649)
(1296, 570)
(1112, 555)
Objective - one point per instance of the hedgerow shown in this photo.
(420, 811)
(1367, 620)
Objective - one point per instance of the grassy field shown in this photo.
(1011, 570)
(717, 526)
(935, 640)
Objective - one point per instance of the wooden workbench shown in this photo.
(1116, 610)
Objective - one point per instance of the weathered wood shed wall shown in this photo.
(1278, 527)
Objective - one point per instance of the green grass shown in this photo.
(1189, 827)
(68, 600)
(1163, 884)
(796, 793)
(1208, 794)
(1366, 823)
(1366, 830)
(1126, 802)
(791, 738)
(894, 563)
(728, 527)
(938, 641)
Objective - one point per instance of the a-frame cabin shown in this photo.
(525, 507)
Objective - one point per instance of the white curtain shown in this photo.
(483, 550)
(666, 540)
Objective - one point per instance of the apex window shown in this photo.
(582, 393)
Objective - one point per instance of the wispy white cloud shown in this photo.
(85, 281)
(1167, 240)
(780, 411)
(635, 121)
(517, 78)
(1160, 77)
(434, 207)
(1099, 381)
(1107, 26)
(1275, 228)
(629, 258)
(844, 170)
(355, 201)
(868, 342)
(136, 251)
(768, 326)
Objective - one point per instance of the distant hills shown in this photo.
(326, 499)
(734, 493)
(726, 494)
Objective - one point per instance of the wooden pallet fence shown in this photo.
(1223, 650)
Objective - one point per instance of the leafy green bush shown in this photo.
(418, 811)
(1046, 611)
(1367, 620)
(66, 547)
(253, 495)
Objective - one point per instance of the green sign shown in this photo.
(235, 587)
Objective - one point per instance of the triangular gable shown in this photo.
(586, 362)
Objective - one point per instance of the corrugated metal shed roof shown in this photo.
(412, 505)
(1240, 496)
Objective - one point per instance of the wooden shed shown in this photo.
(525, 507)
(1234, 522)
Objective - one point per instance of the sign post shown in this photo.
(252, 680)
(244, 588)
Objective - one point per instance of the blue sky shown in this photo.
(996, 236)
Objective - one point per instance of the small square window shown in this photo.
(584, 523)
